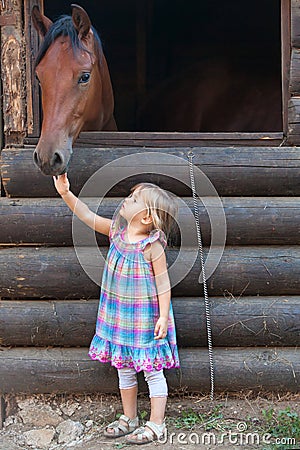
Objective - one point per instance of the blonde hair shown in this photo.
(162, 206)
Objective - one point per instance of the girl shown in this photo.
(135, 328)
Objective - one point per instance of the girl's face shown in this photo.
(133, 208)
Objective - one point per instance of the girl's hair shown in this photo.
(162, 206)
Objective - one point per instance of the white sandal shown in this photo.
(149, 433)
(120, 429)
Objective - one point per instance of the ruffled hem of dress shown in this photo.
(163, 356)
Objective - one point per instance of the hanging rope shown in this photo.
(206, 301)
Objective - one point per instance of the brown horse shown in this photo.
(76, 87)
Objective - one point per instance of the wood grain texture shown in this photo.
(245, 321)
(250, 221)
(40, 370)
(232, 171)
(55, 273)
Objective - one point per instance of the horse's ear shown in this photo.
(40, 22)
(81, 21)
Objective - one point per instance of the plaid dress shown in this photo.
(129, 309)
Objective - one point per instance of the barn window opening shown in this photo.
(197, 66)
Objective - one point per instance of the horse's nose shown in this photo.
(57, 161)
(36, 158)
(53, 166)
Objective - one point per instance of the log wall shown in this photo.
(294, 85)
(55, 273)
(242, 322)
(250, 220)
(49, 301)
(42, 370)
(233, 171)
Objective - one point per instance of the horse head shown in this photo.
(75, 85)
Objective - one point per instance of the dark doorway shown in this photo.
(188, 66)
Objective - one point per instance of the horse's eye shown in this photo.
(85, 78)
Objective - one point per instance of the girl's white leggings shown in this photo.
(156, 380)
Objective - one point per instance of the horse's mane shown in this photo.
(64, 26)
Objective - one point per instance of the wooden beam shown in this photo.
(249, 220)
(285, 59)
(167, 139)
(13, 73)
(243, 322)
(233, 171)
(40, 370)
(55, 273)
(294, 120)
(2, 411)
(295, 75)
(295, 23)
(32, 85)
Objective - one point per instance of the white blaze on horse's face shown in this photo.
(72, 81)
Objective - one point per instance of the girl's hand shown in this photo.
(62, 184)
(161, 328)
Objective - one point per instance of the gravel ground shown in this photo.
(60, 422)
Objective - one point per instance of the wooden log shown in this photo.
(294, 121)
(2, 411)
(294, 74)
(40, 370)
(55, 273)
(233, 171)
(32, 85)
(171, 139)
(250, 221)
(285, 60)
(247, 322)
(295, 23)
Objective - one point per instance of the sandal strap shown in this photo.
(156, 429)
(126, 418)
(155, 432)
(117, 426)
(142, 433)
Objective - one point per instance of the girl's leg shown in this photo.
(129, 401)
(155, 427)
(158, 393)
(128, 388)
(158, 408)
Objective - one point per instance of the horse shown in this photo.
(75, 83)
(214, 95)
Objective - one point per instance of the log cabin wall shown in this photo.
(294, 82)
(48, 304)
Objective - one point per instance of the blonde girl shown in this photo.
(135, 328)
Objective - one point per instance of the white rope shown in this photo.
(206, 301)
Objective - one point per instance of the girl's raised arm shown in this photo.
(82, 211)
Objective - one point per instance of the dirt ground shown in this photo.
(227, 414)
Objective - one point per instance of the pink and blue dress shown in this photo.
(129, 309)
